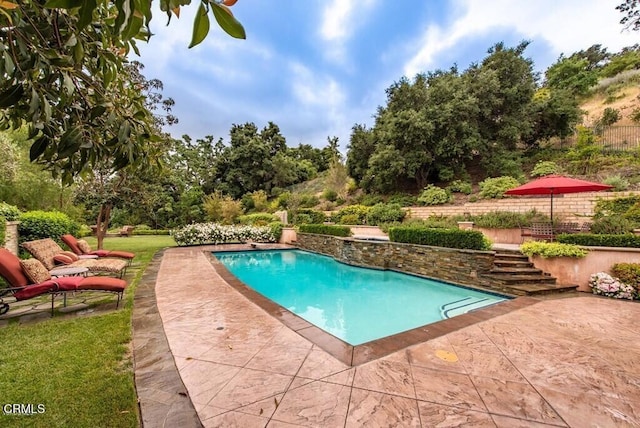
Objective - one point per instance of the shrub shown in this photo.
(308, 201)
(494, 188)
(633, 213)
(330, 195)
(45, 224)
(214, 233)
(543, 168)
(449, 238)
(592, 240)
(403, 200)
(257, 219)
(612, 225)
(552, 249)
(605, 285)
(9, 212)
(352, 219)
(307, 216)
(3, 231)
(459, 186)
(370, 200)
(507, 219)
(385, 213)
(619, 183)
(629, 273)
(433, 195)
(325, 229)
(605, 208)
(276, 229)
(152, 232)
(359, 211)
(221, 208)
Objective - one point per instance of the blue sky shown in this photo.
(315, 68)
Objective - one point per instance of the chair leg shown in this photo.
(4, 308)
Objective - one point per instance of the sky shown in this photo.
(316, 68)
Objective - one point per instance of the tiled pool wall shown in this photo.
(464, 267)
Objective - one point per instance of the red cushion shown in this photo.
(11, 270)
(72, 243)
(35, 290)
(114, 253)
(102, 283)
(68, 283)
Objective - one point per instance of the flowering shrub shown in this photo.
(214, 233)
(605, 285)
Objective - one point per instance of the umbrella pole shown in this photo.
(552, 213)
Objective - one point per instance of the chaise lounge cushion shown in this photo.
(35, 270)
(46, 249)
(81, 247)
(65, 258)
(11, 270)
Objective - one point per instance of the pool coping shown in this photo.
(354, 355)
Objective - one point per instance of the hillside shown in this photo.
(624, 99)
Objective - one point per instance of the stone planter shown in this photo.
(571, 270)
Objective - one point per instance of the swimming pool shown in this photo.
(355, 304)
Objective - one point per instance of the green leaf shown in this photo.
(38, 147)
(11, 96)
(124, 132)
(227, 22)
(63, 4)
(200, 26)
(86, 13)
(97, 111)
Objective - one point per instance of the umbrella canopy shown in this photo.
(556, 185)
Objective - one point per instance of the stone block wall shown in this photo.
(569, 207)
(463, 267)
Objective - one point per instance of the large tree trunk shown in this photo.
(102, 224)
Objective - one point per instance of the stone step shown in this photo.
(520, 279)
(512, 263)
(518, 270)
(511, 256)
(541, 289)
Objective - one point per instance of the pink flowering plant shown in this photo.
(605, 285)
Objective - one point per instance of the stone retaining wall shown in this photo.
(569, 207)
(463, 267)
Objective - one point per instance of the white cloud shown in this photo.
(340, 18)
(567, 26)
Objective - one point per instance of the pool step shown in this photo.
(463, 306)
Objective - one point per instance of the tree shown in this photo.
(631, 11)
(60, 68)
(360, 149)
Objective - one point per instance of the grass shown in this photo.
(79, 368)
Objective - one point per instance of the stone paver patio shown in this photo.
(559, 362)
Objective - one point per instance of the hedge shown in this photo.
(449, 238)
(152, 232)
(3, 231)
(45, 224)
(593, 240)
(325, 229)
(214, 233)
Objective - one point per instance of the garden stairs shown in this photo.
(513, 273)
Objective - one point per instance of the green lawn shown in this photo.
(80, 369)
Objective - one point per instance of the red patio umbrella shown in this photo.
(556, 185)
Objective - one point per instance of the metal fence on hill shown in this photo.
(613, 138)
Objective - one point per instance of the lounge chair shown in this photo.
(82, 248)
(29, 278)
(50, 253)
(126, 231)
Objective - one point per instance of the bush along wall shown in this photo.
(214, 233)
(3, 231)
(325, 229)
(593, 240)
(45, 224)
(449, 238)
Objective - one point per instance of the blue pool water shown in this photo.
(354, 304)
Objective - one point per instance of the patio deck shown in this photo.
(570, 361)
